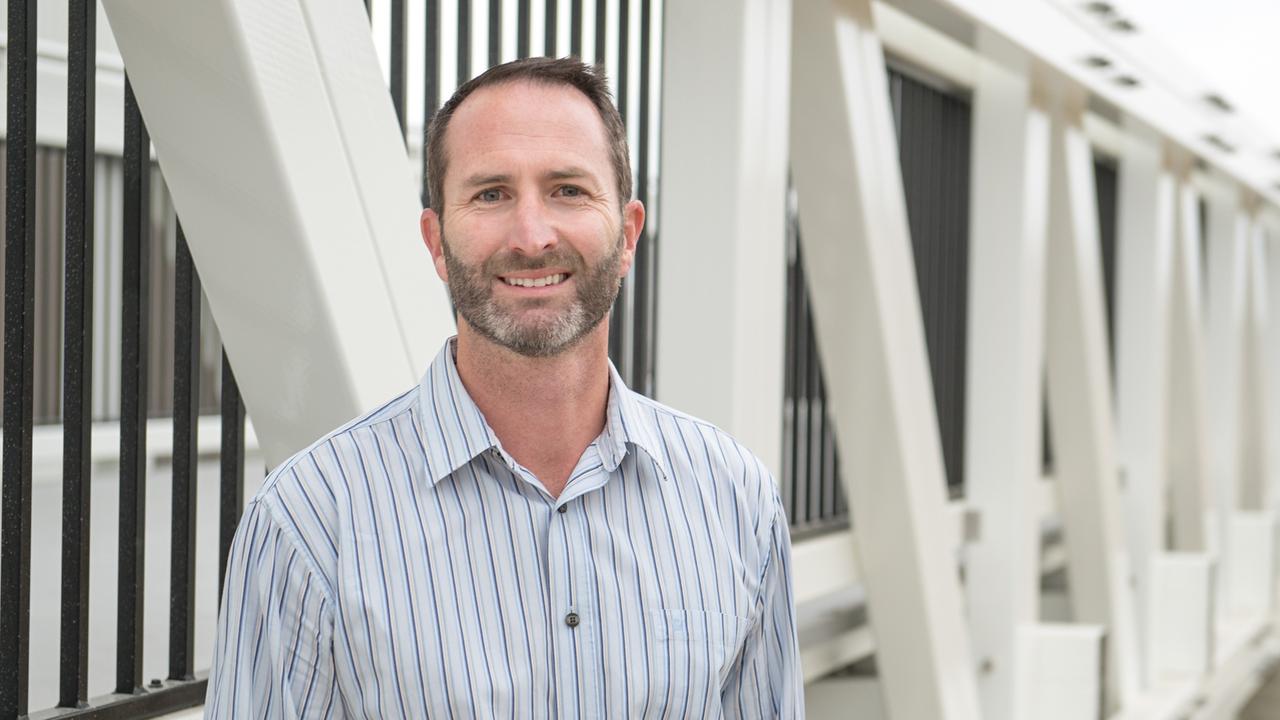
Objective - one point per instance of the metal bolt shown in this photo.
(155, 683)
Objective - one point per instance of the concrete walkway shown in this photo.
(1266, 704)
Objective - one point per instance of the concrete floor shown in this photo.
(860, 698)
(844, 697)
(1266, 704)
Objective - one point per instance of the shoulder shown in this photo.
(698, 451)
(313, 459)
(305, 494)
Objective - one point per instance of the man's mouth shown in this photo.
(535, 282)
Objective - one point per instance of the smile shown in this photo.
(537, 282)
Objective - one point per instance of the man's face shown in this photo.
(533, 241)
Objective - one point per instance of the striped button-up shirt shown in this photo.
(406, 566)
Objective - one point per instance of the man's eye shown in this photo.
(490, 195)
(572, 191)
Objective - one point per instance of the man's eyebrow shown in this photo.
(476, 180)
(570, 173)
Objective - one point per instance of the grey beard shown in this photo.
(596, 289)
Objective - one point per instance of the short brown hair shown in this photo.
(587, 79)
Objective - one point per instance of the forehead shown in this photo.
(525, 122)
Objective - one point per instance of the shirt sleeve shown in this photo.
(273, 655)
(766, 680)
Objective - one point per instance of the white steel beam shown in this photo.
(1228, 233)
(867, 311)
(1080, 406)
(1253, 466)
(1228, 244)
(1188, 450)
(1143, 281)
(1003, 416)
(277, 138)
(1270, 261)
(723, 216)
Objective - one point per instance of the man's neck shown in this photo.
(545, 411)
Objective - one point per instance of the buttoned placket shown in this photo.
(576, 631)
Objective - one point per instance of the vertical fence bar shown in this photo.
(522, 29)
(618, 322)
(789, 376)
(641, 313)
(617, 319)
(19, 346)
(186, 414)
(624, 51)
(830, 480)
(813, 423)
(550, 26)
(134, 340)
(842, 509)
(231, 486)
(624, 72)
(495, 32)
(823, 480)
(464, 41)
(602, 15)
(398, 82)
(77, 377)
(801, 428)
(575, 28)
(795, 318)
(430, 86)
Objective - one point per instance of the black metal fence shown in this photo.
(104, 304)
(50, 220)
(933, 124)
(810, 485)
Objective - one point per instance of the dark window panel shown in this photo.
(933, 144)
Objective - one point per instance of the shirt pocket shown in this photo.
(694, 651)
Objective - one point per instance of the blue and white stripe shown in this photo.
(405, 566)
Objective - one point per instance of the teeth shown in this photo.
(537, 282)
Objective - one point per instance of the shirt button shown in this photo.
(571, 620)
(562, 509)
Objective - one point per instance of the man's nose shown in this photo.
(532, 233)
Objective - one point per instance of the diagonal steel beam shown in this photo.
(278, 140)
(1005, 366)
(862, 283)
(1080, 406)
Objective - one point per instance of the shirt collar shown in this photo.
(454, 431)
(628, 422)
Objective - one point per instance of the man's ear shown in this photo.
(433, 238)
(632, 225)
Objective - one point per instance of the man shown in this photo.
(520, 535)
